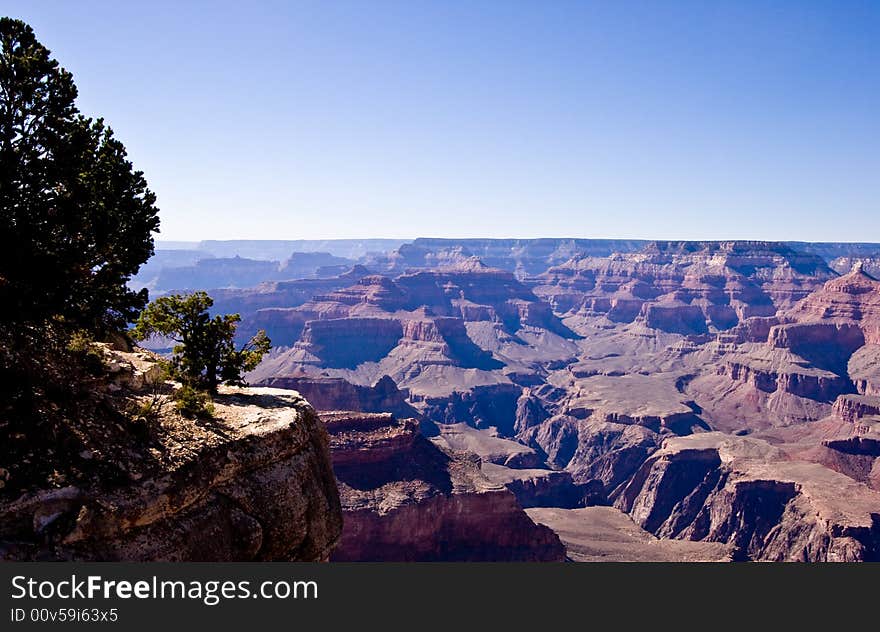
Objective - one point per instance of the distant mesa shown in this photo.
(685, 287)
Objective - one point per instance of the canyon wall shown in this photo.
(404, 499)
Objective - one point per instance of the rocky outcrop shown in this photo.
(869, 264)
(372, 293)
(743, 492)
(815, 351)
(256, 484)
(678, 317)
(851, 408)
(272, 305)
(453, 340)
(488, 446)
(540, 487)
(771, 373)
(605, 534)
(856, 458)
(852, 298)
(653, 401)
(610, 453)
(474, 292)
(754, 329)
(404, 499)
(346, 342)
(826, 345)
(593, 451)
(847, 441)
(408, 324)
(468, 290)
(335, 393)
(864, 370)
(487, 406)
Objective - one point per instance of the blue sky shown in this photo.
(667, 120)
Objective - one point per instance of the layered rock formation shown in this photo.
(864, 370)
(714, 393)
(524, 257)
(852, 408)
(821, 348)
(539, 487)
(424, 309)
(204, 271)
(281, 294)
(870, 264)
(279, 249)
(593, 452)
(848, 441)
(685, 287)
(420, 329)
(605, 534)
(744, 492)
(849, 302)
(404, 499)
(334, 393)
(216, 272)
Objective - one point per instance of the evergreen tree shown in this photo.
(76, 220)
(205, 355)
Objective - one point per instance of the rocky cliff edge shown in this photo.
(253, 482)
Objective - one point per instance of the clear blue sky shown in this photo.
(499, 119)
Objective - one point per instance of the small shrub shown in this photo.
(149, 409)
(192, 403)
(82, 346)
(146, 409)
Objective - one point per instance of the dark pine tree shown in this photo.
(76, 220)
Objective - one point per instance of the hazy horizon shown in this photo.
(630, 120)
(183, 242)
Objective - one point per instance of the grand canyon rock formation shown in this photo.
(686, 287)
(404, 499)
(744, 492)
(712, 395)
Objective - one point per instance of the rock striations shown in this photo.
(744, 492)
(685, 287)
(404, 499)
(679, 400)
